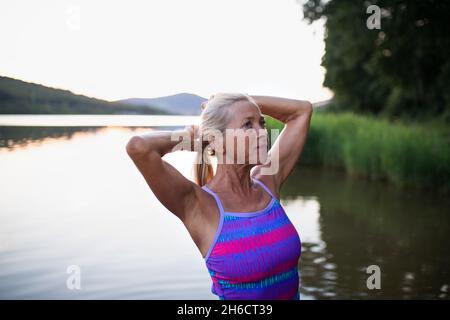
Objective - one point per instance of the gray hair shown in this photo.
(214, 117)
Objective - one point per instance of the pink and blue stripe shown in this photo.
(254, 255)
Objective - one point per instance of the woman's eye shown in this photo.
(248, 124)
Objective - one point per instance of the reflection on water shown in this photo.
(81, 201)
(94, 120)
(16, 130)
(364, 223)
(11, 137)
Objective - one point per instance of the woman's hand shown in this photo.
(193, 130)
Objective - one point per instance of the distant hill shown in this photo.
(182, 103)
(20, 97)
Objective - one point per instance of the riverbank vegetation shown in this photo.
(405, 154)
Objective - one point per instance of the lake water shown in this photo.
(69, 195)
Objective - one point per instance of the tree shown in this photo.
(402, 69)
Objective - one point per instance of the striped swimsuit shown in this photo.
(254, 255)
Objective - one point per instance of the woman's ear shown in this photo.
(212, 141)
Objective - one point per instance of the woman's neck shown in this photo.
(233, 178)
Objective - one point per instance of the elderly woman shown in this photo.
(234, 216)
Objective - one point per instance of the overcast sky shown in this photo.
(120, 49)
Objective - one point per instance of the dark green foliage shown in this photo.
(400, 70)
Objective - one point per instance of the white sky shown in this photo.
(121, 49)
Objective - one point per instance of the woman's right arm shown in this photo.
(173, 190)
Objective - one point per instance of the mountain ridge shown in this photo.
(183, 103)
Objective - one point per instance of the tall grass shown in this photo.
(404, 154)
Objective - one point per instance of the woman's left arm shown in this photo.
(296, 115)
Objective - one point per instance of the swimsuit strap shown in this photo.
(221, 219)
(264, 187)
(219, 203)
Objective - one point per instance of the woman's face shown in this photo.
(248, 134)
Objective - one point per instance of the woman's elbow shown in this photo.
(306, 106)
(135, 146)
